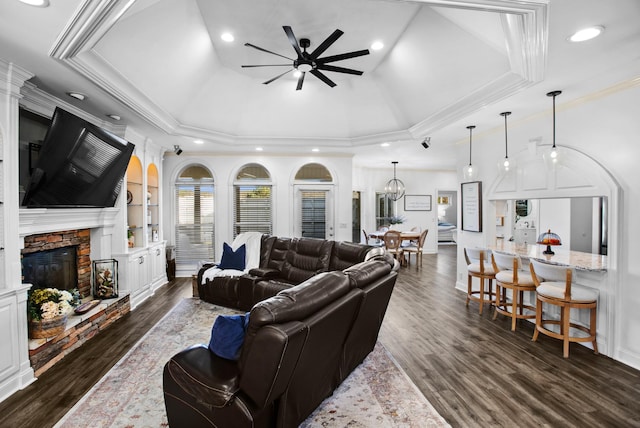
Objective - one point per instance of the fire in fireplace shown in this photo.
(56, 268)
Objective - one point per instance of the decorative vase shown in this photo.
(44, 329)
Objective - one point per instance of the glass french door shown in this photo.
(314, 212)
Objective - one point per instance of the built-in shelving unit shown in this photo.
(135, 206)
(141, 260)
(153, 206)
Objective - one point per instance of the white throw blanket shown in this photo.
(251, 240)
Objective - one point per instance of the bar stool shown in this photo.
(511, 276)
(479, 266)
(557, 288)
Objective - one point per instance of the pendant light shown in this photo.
(469, 172)
(505, 164)
(394, 188)
(553, 154)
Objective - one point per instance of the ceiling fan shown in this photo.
(311, 62)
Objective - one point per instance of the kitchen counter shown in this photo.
(576, 259)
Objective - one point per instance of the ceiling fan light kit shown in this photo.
(310, 62)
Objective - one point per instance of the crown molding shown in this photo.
(525, 23)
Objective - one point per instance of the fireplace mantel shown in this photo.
(43, 220)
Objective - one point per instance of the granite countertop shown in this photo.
(576, 259)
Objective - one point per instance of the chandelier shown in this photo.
(394, 188)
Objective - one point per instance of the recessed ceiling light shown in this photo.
(198, 141)
(114, 116)
(227, 37)
(315, 149)
(587, 34)
(258, 149)
(77, 95)
(384, 145)
(377, 45)
(37, 3)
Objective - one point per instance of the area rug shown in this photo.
(377, 394)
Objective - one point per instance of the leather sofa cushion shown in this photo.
(300, 301)
(205, 376)
(265, 272)
(263, 290)
(365, 273)
(278, 253)
(307, 257)
(346, 254)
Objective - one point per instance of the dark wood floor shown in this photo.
(475, 371)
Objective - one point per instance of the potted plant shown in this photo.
(47, 310)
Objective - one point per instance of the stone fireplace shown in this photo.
(52, 263)
(90, 232)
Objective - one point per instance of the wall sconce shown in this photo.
(177, 150)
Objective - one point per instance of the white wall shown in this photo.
(605, 127)
(370, 181)
(282, 170)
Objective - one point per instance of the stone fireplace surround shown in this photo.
(91, 229)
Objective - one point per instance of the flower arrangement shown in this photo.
(396, 219)
(48, 303)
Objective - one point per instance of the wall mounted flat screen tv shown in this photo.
(79, 165)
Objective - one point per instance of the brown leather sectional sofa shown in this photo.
(300, 345)
(284, 262)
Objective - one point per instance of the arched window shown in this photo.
(314, 172)
(194, 215)
(252, 200)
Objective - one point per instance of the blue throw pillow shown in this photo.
(227, 335)
(233, 259)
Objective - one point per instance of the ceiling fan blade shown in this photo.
(300, 80)
(327, 42)
(264, 50)
(339, 69)
(340, 57)
(266, 65)
(292, 39)
(276, 78)
(322, 77)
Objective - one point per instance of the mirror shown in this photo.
(523, 207)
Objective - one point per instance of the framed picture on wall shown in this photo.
(471, 198)
(417, 202)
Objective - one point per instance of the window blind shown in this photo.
(314, 205)
(252, 209)
(194, 222)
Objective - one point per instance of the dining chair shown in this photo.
(392, 240)
(555, 286)
(479, 266)
(376, 242)
(511, 276)
(417, 247)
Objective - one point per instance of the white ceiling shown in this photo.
(162, 67)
